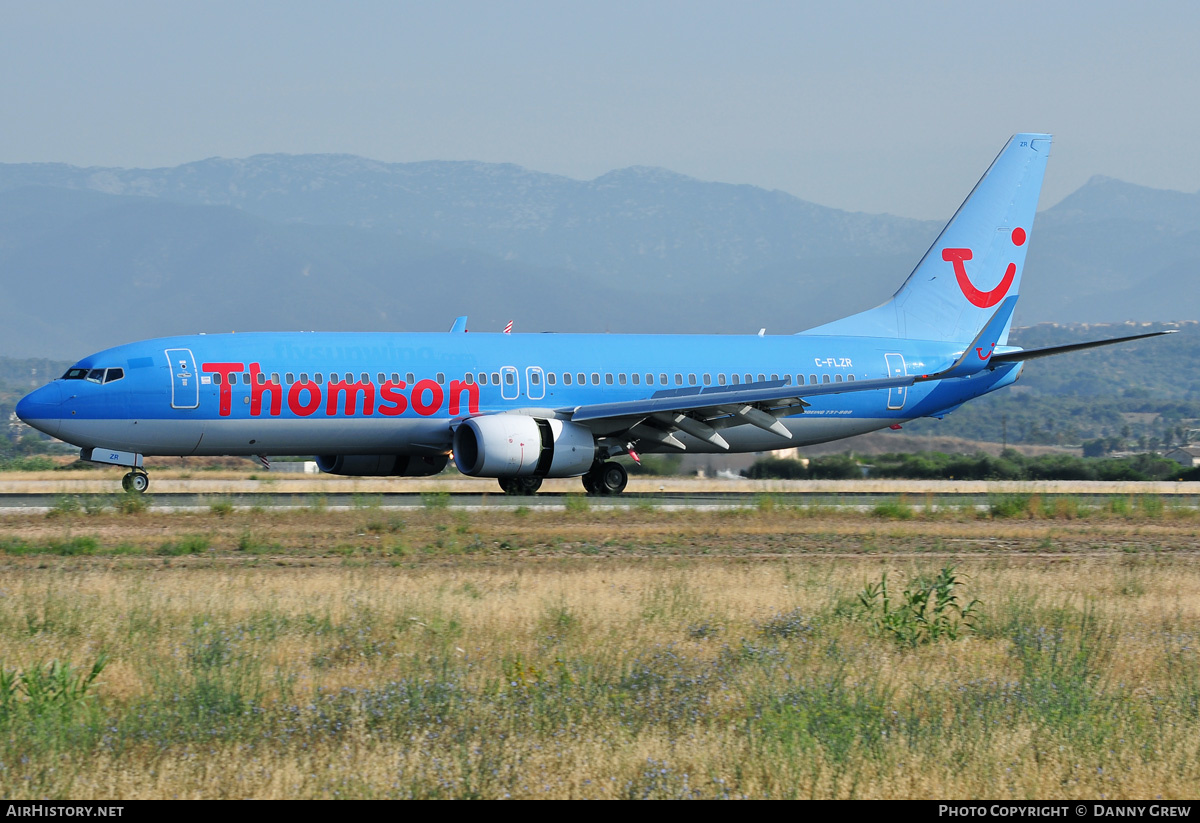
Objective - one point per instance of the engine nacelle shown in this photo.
(516, 445)
(381, 465)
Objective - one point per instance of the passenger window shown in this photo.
(304, 377)
(749, 378)
(708, 379)
(721, 379)
(509, 377)
(409, 377)
(649, 379)
(774, 377)
(662, 379)
(595, 378)
(469, 379)
(275, 377)
(395, 378)
(850, 378)
(824, 378)
(567, 378)
(550, 378)
(483, 378)
(799, 380)
(737, 380)
(678, 379)
(535, 378)
(581, 379)
(216, 378)
(621, 378)
(382, 378)
(495, 378)
(608, 378)
(837, 378)
(762, 378)
(318, 378)
(246, 379)
(366, 378)
(441, 377)
(637, 379)
(262, 378)
(812, 378)
(787, 380)
(691, 379)
(291, 378)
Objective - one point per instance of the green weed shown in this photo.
(929, 609)
(189, 544)
(893, 510)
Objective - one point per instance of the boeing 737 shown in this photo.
(523, 407)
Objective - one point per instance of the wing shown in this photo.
(704, 412)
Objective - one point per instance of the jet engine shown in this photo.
(516, 445)
(381, 465)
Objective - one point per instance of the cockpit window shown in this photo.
(94, 375)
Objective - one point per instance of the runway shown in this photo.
(171, 492)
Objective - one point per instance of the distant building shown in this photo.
(1188, 456)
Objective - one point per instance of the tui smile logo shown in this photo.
(982, 299)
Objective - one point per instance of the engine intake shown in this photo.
(381, 465)
(516, 445)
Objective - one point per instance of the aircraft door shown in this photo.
(535, 383)
(896, 368)
(185, 383)
(510, 383)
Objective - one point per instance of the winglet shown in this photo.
(976, 356)
(459, 326)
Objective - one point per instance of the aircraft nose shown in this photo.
(42, 409)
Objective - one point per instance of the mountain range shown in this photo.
(92, 257)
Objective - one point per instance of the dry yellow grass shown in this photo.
(434, 654)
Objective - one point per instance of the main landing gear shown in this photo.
(520, 485)
(136, 481)
(606, 478)
(602, 478)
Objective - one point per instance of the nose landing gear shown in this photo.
(136, 481)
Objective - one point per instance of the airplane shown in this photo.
(524, 407)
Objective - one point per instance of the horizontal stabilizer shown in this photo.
(1049, 351)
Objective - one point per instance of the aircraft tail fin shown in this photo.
(974, 264)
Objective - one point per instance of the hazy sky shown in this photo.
(894, 107)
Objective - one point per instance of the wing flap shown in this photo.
(704, 412)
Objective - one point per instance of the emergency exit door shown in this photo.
(896, 368)
(185, 383)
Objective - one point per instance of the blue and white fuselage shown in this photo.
(520, 407)
(408, 392)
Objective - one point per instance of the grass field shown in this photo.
(640, 653)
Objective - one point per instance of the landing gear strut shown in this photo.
(520, 485)
(136, 481)
(606, 478)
